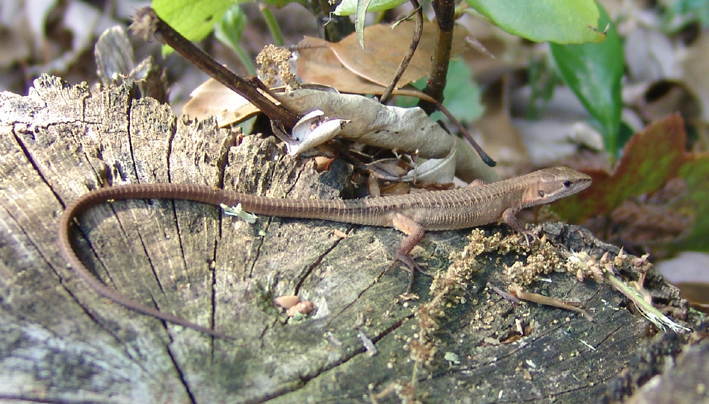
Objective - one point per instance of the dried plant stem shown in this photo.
(146, 23)
(468, 137)
(463, 131)
(520, 293)
(646, 308)
(407, 58)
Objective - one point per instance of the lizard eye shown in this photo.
(567, 184)
(541, 193)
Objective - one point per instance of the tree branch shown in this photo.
(146, 23)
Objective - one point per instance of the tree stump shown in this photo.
(61, 342)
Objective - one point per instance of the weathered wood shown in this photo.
(61, 342)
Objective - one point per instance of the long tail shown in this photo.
(195, 193)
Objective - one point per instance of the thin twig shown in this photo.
(463, 131)
(146, 23)
(468, 137)
(407, 58)
(520, 293)
(509, 297)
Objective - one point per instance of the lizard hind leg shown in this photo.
(414, 233)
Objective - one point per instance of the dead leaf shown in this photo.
(500, 138)
(379, 61)
(407, 130)
(696, 66)
(312, 130)
(212, 98)
(650, 158)
(696, 293)
(648, 223)
(559, 132)
(506, 48)
(655, 100)
(317, 64)
(396, 188)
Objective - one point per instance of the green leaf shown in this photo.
(349, 7)
(362, 6)
(593, 71)
(228, 31)
(560, 21)
(192, 18)
(462, 95)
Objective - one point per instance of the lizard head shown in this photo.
(550, 184)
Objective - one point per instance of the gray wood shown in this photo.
(60, 342)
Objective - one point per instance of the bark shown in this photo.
(60, 342)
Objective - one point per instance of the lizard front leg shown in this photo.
(414, 233)
(509, 216)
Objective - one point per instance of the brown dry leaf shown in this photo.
(212, 98)
(655, 100)
(500, 138)
(394, 128)
(696, 66)
(696, 293)
(559, 132)
(381, 58)
(407, 130)
(647, 223)
(317, 64)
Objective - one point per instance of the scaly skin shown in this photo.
(413, 214)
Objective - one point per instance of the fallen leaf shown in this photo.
(317, 64)
(696, 293)
(407, 130)
(500, 137)
(212, 98)
(379, 61)
(650, 160)
(649, 55)
(696, 66)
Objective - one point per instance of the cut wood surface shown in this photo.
(60, 342)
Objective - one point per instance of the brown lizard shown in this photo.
(413, 214)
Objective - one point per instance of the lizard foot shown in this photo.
(411, 266)
(529, 236)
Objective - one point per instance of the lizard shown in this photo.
(413, 214)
